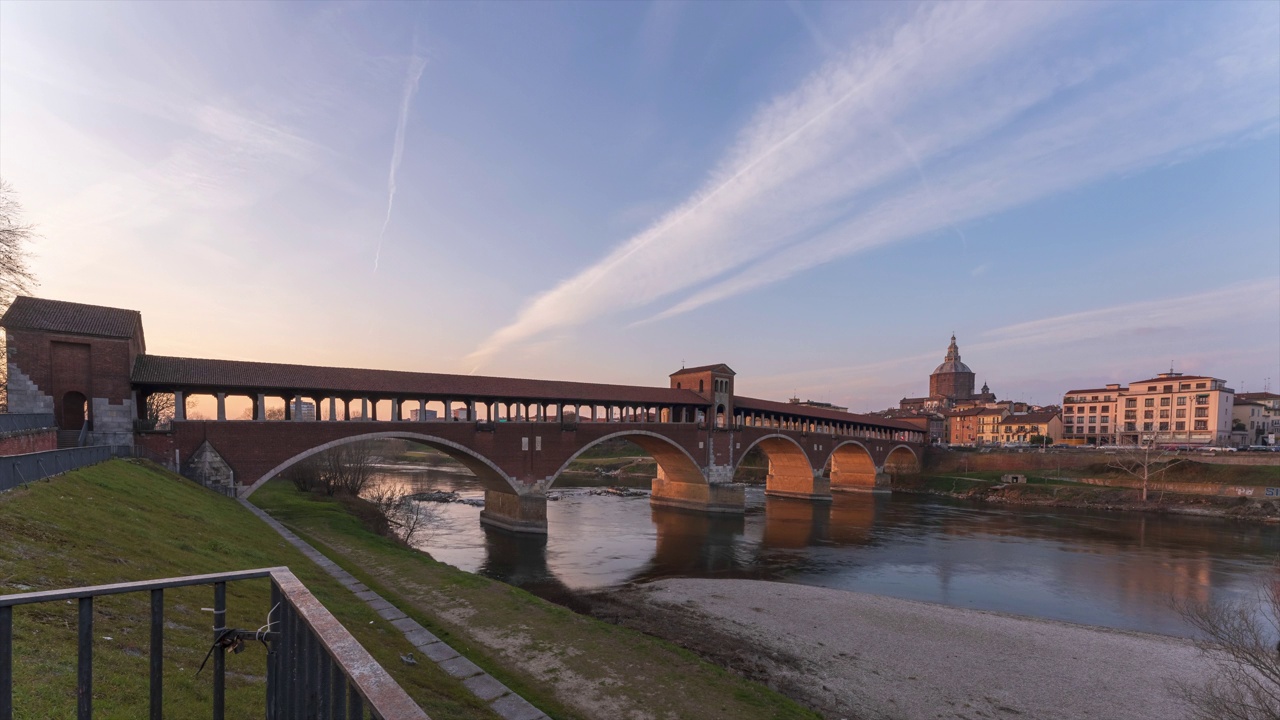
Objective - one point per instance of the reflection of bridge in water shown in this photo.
(88, 364)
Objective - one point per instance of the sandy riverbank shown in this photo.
(863, 656)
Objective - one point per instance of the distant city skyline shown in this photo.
(816, 194)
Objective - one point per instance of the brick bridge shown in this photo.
(88, 364)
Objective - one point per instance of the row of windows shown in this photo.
(1180, 426)
(1092, 409)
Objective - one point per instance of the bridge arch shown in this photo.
(791, 474)
(902, 460)
(489, 474)
(675, 464)
(852, 467)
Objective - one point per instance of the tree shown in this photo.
(1238, 640)
(16, 277)
(1145, 462)
(160, 409)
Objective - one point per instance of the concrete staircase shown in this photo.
(68, 439)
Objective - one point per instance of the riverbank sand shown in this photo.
(872, 657)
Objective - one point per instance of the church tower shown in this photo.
(952, 379)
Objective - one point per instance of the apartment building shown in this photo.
(1044, 426)
(1091, 416)
(1177, 409)
(1258, 416)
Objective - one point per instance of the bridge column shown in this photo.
(222, 406)
(333, 408)
(395, 409)
(364, 408)
(712, 490)
(522, 513)
(422, 410)
(179, 405)
(448, 409)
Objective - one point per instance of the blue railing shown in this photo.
(18, 470)
(20, 422)
(315, 667)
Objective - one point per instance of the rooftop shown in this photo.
(30, 313)
(162, 372)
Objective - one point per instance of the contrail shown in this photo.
(416, 66)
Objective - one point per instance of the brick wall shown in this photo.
(28, 442)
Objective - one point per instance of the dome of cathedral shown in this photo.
(952, 366)
(951, 363)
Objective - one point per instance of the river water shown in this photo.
(1120, 570)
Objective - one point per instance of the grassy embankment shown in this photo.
(123, 520)
(1063, 487)
(591, 668)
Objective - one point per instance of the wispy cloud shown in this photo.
(996, 104)
(417, 64)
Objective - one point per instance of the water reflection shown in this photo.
(1109, 569)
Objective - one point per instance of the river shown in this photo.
(1119, 570)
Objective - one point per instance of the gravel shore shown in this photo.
(871, 657)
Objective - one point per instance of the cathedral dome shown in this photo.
(952, 366)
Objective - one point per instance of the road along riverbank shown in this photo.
(854, 655)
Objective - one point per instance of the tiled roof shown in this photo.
(720, 367)
(1035, 418)
(782, 408)
(190, 373)
(1095, 390)
(29, 313)
(1256, 396)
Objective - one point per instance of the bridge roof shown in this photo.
(782, 408)
(30, 313)
(227, 375)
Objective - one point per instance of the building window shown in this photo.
(1092, 429)
(1202, 412)
(1164, 427)
(1146, 427)
(1149, 402)
(1202, 424)
(1093, 419)
(1131, 402)
(1184, 386)
(1200, 386)
(1106, 408)
(1164, 402)
(1180, 412)
(1151, 388)
(1182, 399)
(1093, 408)
(1164, 414)
(1180, 426)
(1168, 388)
(1148, 414)
(1202, 399)
(1105, 420)
(1070, 410)
(1130, 427)
(1130, 414)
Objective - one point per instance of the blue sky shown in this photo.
(816, 194)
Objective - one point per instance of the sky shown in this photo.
(816, 194)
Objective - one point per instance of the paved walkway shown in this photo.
(481, 684)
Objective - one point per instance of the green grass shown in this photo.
(122, 521)
(570, 665)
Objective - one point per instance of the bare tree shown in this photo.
(342, 470)
(1145, 462)
(408, 518)
(160, 409)
(272, 413)
(1238, 639)
(16, 277)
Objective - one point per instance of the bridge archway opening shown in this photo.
(720, 416)
(485, 471)
(901, 461)
(790, 474)
(673, 463)
(851, 467)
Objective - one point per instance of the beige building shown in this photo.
(1169, 409)
(1255, 418)
(1032, 427)
(988, 425)
(1091, 416)
(1177, 409)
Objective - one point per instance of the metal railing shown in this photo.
(315, 667)
(19, 422)
(18, 470)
